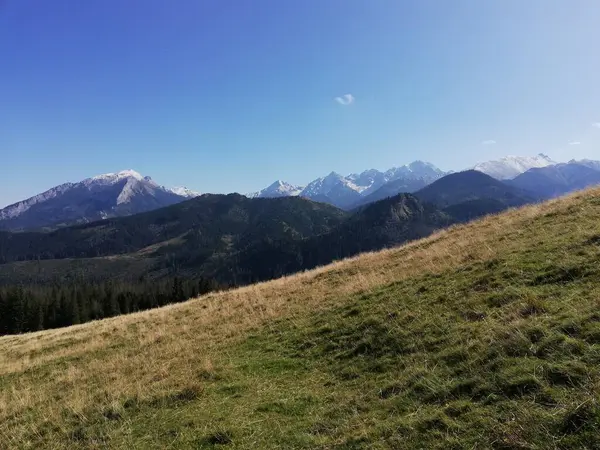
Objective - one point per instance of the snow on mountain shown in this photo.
(509, 167)
(16, 209)
(326, 184)
(371, 180)
(348, 191)
(184, 192)
(345, 191)
(278, 189)
(367, 181)
(100, 197)
(407, 178)
(415, 171)
(334, 189)
(110, 178)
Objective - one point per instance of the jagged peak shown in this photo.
(279, 183)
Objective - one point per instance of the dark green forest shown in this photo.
(34, 308)
(210, 223)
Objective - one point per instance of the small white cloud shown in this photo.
(488, 142)
(574, 143)
(345, 100)
(596, 125)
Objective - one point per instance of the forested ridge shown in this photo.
(203, 222)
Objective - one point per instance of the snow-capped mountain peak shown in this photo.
(422, 167)
(280, 185)
(115, 177)
(367, 180)
(322, 186)
(278, 189)
(184, 192)
(414, 171)
(103, 196)
(345, 191)
(509, 167)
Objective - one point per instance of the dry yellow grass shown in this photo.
(93, 366)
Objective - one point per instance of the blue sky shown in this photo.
(223, 95)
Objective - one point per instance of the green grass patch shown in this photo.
(395, 369)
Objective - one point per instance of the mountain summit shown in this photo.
(510, 167)
(100, 197)
(278, 189)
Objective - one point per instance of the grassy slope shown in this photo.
(482, 336)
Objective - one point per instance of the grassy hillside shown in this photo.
(481, 336)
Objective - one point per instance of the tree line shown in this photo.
(33, 308)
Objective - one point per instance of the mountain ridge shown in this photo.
(357, 189)
(556, 180)
(472, 185)
(128, 192)
(99, 197)
(348, 191)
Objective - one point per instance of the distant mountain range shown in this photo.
(237, 240)
(127, 192)
(355, 190)
(350, 191)
(556, 180)
(109, 195)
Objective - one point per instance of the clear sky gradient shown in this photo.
(223, 95)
